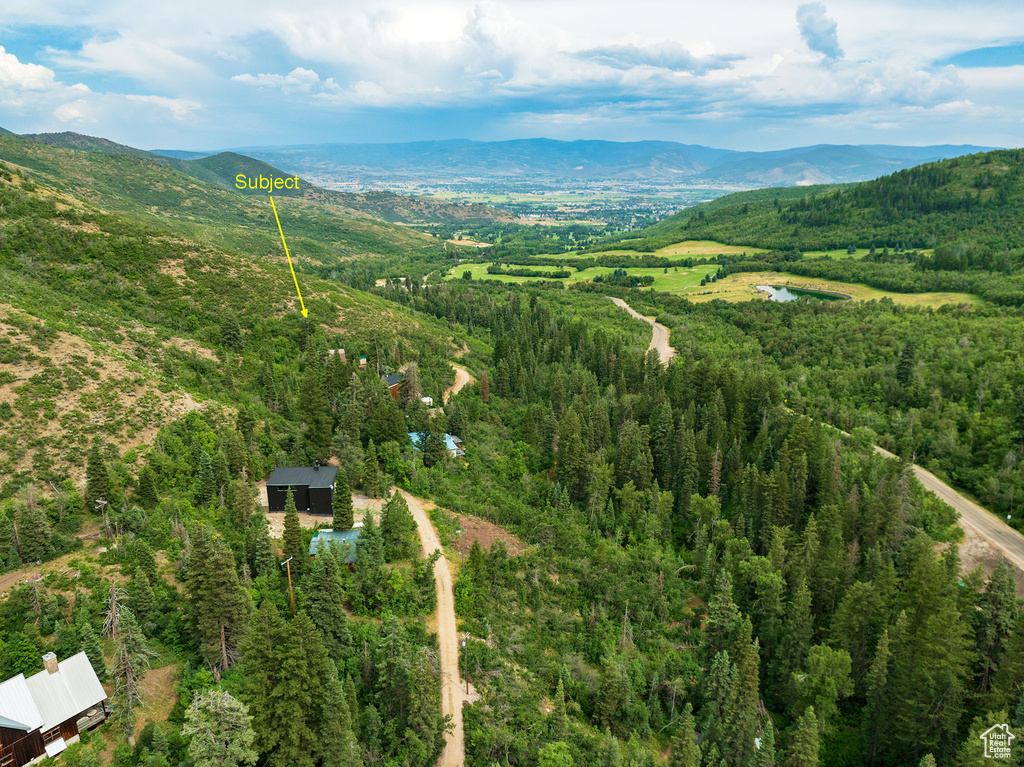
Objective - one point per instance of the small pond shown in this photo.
(792, 294)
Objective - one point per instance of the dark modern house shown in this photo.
(394, 382)
(42, 715)
(312, 486)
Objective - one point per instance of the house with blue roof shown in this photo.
(453, 443)
(347, 542)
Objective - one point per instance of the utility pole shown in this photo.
(291, 593)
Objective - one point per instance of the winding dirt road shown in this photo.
(454, 754)
(462, 377)
(659, 338)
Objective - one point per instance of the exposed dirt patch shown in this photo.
(976, 551)
(188, 345)
(173, 267)
(479, 530)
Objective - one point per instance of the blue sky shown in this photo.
(750, 74)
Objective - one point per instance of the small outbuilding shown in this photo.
(345, 540)
(312, 486)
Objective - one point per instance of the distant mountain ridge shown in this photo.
(661, 163)
(220, 169)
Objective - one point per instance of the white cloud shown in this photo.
(179, 108)
(819, 30)
(25, 77)
(299, 79)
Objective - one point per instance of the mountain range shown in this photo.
(546, 161)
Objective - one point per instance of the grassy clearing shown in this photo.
(838, 253)
(697, 248)
(741, 287)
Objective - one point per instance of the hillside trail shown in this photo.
(454, 754)
(659, 338)
(462, 378)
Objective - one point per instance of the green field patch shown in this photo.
(743, 287)
(838, 253)
(674, 280)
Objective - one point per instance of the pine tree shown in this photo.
(485, 389)
(146, 559)
(344, 515)
(129, 667)
(142, 598)
(33, 531)
(242, 503)
(293, 534)
(220, 606)
(609, 699)
(745, 699)
(723, 617)
(371, 472)
(424, 733)
(97, 479)
(370, 575)
(927, 761)
(147, 493)
(804, 749)
(259, 550)
(685, 750)
(324, 603)
(435, 446)
(287, 668)
(557, 723)
(90, 643)
(876, 711)
(338, 746)
(206, 481)
(905, 365)
(230, 333)
(765, 756)
(398, 529)
(219, 730)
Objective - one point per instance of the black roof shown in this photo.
(393, 378)
(310, 476)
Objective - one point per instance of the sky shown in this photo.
(735, 74)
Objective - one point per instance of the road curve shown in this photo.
(454, 754)
(659, 338)
(462, 377)
(981, 522)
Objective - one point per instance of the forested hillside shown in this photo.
(965, 199)
(705, 561)
(708, 575)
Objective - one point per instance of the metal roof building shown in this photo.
(346, 540)
(45, 713)
(312, 486)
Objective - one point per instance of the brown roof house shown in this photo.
(42, 715)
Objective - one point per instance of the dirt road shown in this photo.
(976, 521)
(454, 754)
(659, 339)
(462, 377)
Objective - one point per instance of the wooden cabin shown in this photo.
(42, 715)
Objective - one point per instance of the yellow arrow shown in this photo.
(305, 311)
